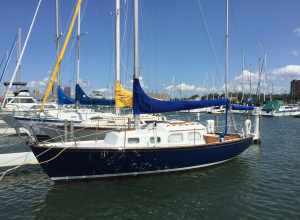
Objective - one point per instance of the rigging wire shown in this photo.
(111, 55)
(129, 42)
(2, 59)
(8, 58)
(211, 43)
(22, 51)
(70, 56)
(5, 172)
(124, 65)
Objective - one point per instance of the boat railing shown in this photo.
(73, 132)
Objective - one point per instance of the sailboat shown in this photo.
(276, 108)
(17, 98)
(51, 124)
(157, 147)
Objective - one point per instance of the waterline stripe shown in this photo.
(137, 173)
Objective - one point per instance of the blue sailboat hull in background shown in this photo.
(93, 163)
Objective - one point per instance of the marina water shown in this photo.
(262, 183)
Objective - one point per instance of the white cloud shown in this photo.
(84, 83)
(38, 83)
(128, 84)
(103, 90)
(246, 75)
(183, 87)
(297, 31)
(201, 89)
(287, 71)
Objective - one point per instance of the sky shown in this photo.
(181, 43)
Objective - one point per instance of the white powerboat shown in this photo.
(284, 110)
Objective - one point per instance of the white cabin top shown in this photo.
(159, 134)
(153, 135)
(21, 101)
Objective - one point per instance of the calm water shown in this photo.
(263, 183)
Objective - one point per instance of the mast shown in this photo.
(78, 48)
(19, 48)
(8, 58)
(250, 84)
(136, 50)
(226, 49)
(265, 76)
(58, 35)
(22, 52)
(78, 53)
(272, 89)
(136, 39)
(243, 78)
(259, 79)
(226, 63)
(117, 46)
(54, 73)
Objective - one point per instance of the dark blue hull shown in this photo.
(93, 163)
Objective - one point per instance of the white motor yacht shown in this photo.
(284, 110)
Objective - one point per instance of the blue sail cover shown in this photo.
(84, 99)
(241, 107)
(62, 98)
(142, 103)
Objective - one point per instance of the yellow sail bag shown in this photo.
(123, 97)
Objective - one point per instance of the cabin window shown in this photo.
(28, 101)
(23, 101)
(194, 137)
(50, 106)
(133, 140)
(175, 138)
(96, 118)
(152, 140)
(16, 101)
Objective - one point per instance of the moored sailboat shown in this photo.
(157, 147)
(50, 123)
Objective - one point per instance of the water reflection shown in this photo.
(181, 195)
(262, 183)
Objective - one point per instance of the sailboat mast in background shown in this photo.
(58, 35)
(243, 78)
(226, 49)
(78, 47)
(19, 49)
(136, 51)
(21, 53)
(117, 46)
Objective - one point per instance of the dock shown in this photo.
(8, 131)
(16, 159)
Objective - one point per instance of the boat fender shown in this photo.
(247, 127)
(222, 137)
(210, 126)
(198, 116)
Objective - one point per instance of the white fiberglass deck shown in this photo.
(151, 136)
